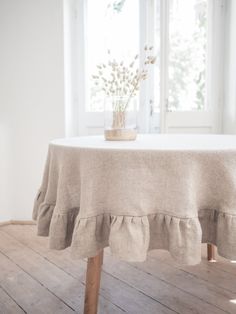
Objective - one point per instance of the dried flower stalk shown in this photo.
(122, 81)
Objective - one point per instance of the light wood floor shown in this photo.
(34, 279)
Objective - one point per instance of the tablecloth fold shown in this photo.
(130, 238)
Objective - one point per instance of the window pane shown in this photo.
(187, 55)
(111, 25)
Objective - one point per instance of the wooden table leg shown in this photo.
(211, 252)
(93, 277)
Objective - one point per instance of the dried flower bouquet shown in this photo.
(121, 82)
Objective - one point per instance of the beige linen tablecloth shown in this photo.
(159, 192)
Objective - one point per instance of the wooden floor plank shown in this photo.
(206, 271)
(222, 263)
(28, 293)
(130, 299)
(159, 281)
(205, 291)
(8, 305)
(181, 301)
(109, 285)
(66, 288)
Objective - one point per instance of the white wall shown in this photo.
(4, 170)
(229, 119)
(31, 98)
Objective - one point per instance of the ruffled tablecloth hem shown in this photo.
(131, 237)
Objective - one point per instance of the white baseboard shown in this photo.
(4, 223)
(17, 222)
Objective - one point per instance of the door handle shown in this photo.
(167, 105)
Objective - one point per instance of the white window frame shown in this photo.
(80, 122)
(210, 119)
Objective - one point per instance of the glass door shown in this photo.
(186, 75)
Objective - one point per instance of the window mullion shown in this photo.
(142, 116)
(74, 65)
(146, 27)
(164, 61)
(82, 61)
(215, 54)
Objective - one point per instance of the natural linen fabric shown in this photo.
(168, 192)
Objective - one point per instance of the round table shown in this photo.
(167, 191)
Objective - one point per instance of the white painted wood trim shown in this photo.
(164, 56)
(17, 222)
(215, 79)
(143, 117)
(74, 66)
(5, 223)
